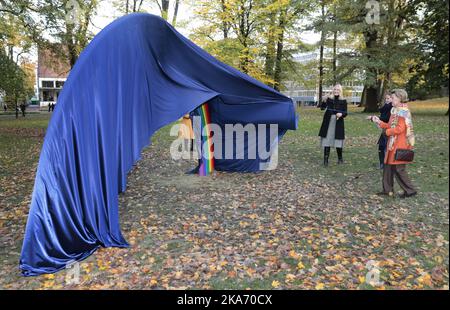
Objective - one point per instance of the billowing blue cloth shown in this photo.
(136, 76)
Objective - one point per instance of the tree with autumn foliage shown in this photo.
(57, 21)
(252, 35)
(388, 36)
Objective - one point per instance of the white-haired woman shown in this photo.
(332, 131)
(400, 133)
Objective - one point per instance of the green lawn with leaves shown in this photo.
(301, 226)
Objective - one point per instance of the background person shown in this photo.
(186, 133)
(385, 114)
(23, 107)
(332, 131)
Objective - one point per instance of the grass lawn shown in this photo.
(301, 226)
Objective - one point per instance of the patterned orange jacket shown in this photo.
(399, 134)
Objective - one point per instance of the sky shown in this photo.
(106, 13)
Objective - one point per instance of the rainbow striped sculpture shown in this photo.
(207, 148)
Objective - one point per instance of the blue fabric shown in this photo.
(136, 76)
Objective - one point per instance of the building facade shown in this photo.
(301, 94)
(52, 72)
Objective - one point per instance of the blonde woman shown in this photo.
(332, 131)
(400, 133)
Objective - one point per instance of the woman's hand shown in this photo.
(338, 115)
(374, 119)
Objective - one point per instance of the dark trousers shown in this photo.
(381, 155)
(382, 144)
(399, 172)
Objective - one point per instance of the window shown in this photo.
(48, 84)
(59, 84)
(47, 95)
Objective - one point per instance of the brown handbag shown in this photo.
(404, 155)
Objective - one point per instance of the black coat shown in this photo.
(385, 112)
(333, 106)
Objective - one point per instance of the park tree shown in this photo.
(47, 22)
(256, 32)
(14, 37)
(16, 75)
(229, 31)
(337, 47)
(386, 34)
(289, 14)
(325, 24)
(13, 81)
(68, 21)
(431, 68)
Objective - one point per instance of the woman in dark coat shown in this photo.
(385, 114)
(332, 131)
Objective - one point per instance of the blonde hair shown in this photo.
(400, 94)
(341, 90)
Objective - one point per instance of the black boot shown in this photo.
(339, 153)
(381, 158)
(326, 155)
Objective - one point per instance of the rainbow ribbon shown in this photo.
(207, 160)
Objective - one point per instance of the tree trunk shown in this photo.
(16, 107)
(270, 48)
(371, 102)
(140, 5)
(165, 9)
(243, 36)
(363, 97)
(387, 85)
(279, 55)
(73, 56)
(335, 35)
(225, 24)
(322, 42)
(70, 44)
(244, 58)
(320, 75)
(371, 95)
(335, 81)
(175, 13)
(11, 52)
(380, 90)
